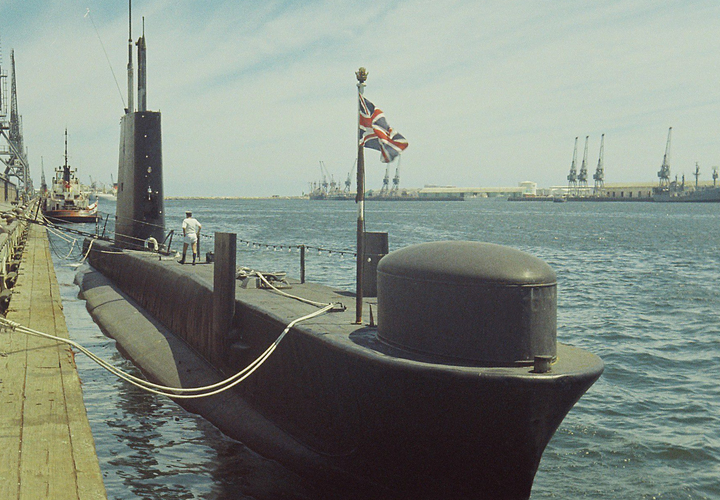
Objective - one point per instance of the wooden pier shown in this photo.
(46, 446)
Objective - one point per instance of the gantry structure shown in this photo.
(13, 154)
(572, 176)
(664, 172)
(599, 175)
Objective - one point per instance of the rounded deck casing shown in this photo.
(481, 303)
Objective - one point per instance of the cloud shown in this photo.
(254, 95)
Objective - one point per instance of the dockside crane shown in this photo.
(664, 173)
(324, 183)
(599, 175)
(384, 190)
(348, 181)
(572, 176)
(14, 156)
(396, 179)
(43, 184)
(583, 176)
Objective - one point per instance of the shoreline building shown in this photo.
(526, 188)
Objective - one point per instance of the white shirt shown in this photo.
(191, 226)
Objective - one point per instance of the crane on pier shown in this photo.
(324, 185)
(583, 175)
(572, 176)
(385, 189)
(43, 184)
(396, 179)
(348, 181)
(664, 173)
(599, 175)
(14, 155)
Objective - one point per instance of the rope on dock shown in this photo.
(162, 390)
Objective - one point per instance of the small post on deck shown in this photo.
(223, 292)
(302, 263)
(361, 75)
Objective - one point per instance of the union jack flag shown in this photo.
(375, 133)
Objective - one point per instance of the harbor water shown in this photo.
(637, 285)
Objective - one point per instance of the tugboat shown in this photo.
(65, 202)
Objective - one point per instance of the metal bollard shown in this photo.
(302, 263)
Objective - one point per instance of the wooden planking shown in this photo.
(50, 451)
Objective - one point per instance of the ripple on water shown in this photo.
(637, 285)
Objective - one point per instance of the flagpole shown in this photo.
(361, 75)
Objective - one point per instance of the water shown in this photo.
(637, 285)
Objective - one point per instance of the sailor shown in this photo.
(191, 233)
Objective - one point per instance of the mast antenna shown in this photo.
(142, 71)
(131, 100)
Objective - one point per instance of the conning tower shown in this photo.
(140, 212)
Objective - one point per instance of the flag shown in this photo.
(375, 133)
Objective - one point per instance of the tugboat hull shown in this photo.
(71, 215)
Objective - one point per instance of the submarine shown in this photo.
(455, 393)
(140, 208)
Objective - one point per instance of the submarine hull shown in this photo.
(336, 402)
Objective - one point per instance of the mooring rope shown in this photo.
(301, 299)
(162, 390)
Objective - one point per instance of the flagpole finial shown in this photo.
(361, 75)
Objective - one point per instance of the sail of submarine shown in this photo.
(140, 210)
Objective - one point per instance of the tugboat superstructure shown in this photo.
(66, 201)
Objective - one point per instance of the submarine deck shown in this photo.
(46, 445)
(340, 327)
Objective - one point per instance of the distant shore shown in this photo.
(236, 197)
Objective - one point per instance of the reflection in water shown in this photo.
(637, 285)
(148, 446)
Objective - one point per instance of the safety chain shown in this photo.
(291, 248)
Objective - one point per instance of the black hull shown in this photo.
(140, 209)
(335, 402)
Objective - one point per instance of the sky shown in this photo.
(254, 95)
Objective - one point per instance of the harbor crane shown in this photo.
(664, 173)
(43, 184)
(348, 181)
(324, 183)
(396, 179)
(599, 175)
(14, 155)
(572, 176)
(583, 176)
(386, 182)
